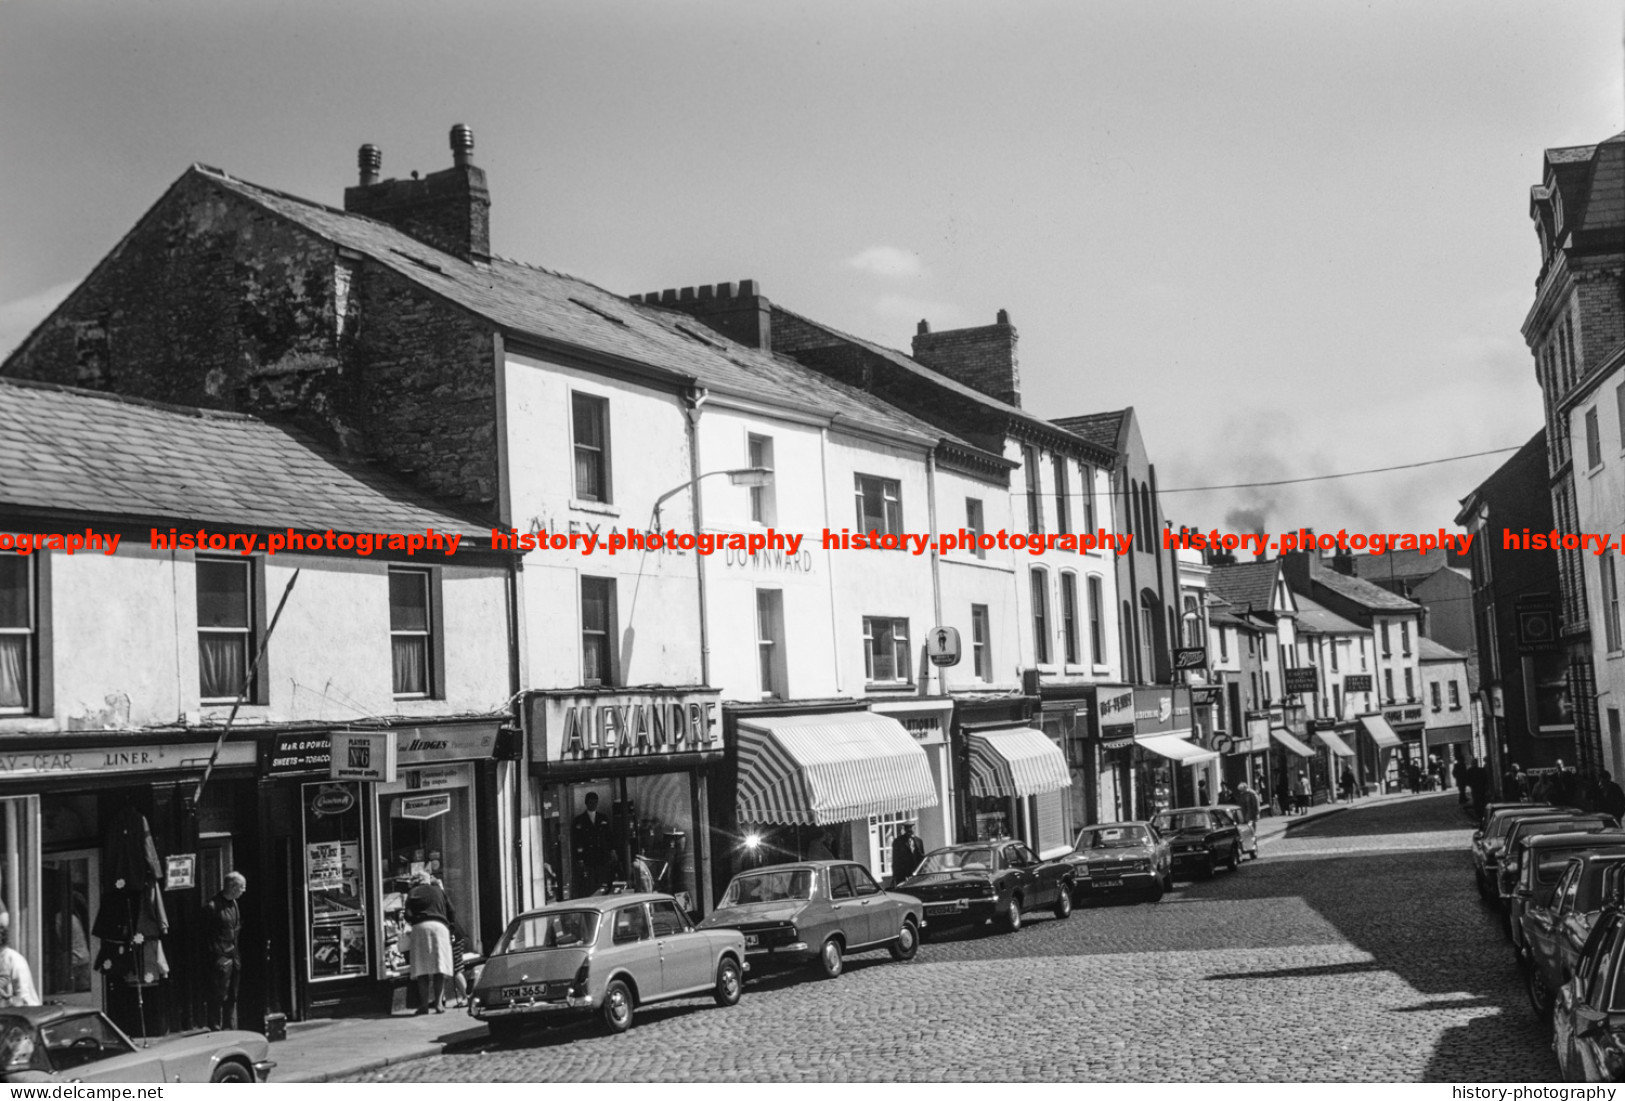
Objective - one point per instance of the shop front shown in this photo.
(1171, 769)
(1100, 752)
(1409, 723)
(621, 784)
(106, 857)
(927, 721)
(1377, 750)
(1017, 779)
(1333, 740)
(349, 819)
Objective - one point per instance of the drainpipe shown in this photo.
(521, 881)
(693, 399)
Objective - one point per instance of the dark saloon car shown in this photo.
(67, 1043)
(604, 955)
(1588, 1018)
(1200, 839)
(989, 881)
(1117, 858)
(1541, 865)
(1555, 932)
(1540, 825)
(1489, 841)
(818, 912)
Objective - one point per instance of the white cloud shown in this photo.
(888, 262)
(19, 316)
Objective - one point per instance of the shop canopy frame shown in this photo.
(1019, 762)
(1290, 741)
(1177, 748)
(1377, 728)
(814, 770)
(1331, 741)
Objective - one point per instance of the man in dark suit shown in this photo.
(222, 926)
(907, 851)
(593, 843)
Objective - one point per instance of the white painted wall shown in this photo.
(1599, 493)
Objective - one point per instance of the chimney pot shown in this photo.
(923, 327)
(370, 159)
(707, 292)
(462, 145)
(726, 290)
(1003, 318)
(747, 288)
(669, 296)
(686, 294)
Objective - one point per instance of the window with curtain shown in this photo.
(880, 504)
(759, 453)
(1069, 616)
(1097, 626)
(1035, 504)
(1086, 478)
(975, 524)
(1063, 505)
(225, 621)
(411, 632)
(885, 650)
(981, 654)
(590, 422)
(598, 632)
(770, 642)
(18, 645)
(1040, 591)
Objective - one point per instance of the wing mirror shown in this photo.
(1589, 1020)
(1478, 835)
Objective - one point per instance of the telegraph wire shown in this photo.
(1345, 474)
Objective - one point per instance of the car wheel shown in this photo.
(232, 1071)
(1010, 914)
(1540, 995)
(907, 942)
(1253, 855)
(618, 1009)
(830, 962)
(1235, 857)
(1156, 892)
(1210, 866)
(505, 1030)
(730, 981)
(1063, 902)
(1484, 891)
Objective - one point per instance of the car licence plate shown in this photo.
(1107, 882)
(530, 990)
(943, 908)
(752, 940)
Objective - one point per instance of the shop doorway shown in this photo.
(71, 885)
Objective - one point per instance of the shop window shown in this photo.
(599, 653)
(1069, 616)
(770, 643)
(1035, 503)
(414, 634)
(589, 418)
(880, 504)
(426, 824)
(226, 629)
(980, 645)
(645, 837)
(763, 501)
(885, 650)
(21, 627)
(1097, 625)
(1063, 504)
(1040, 594)
(976, 524)
(336, 893)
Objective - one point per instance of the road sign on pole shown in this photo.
(942, 645)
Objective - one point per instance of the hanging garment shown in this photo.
(131, 858)
(151, 920)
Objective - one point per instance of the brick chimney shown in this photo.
(736, 310)
(983, 358)
(449, 209)
(1299, 568)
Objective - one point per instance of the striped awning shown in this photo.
(810, 770)
(1287, 739)
(1332, 742)
(1020, 761)
(1175, 748)
(1379, 730)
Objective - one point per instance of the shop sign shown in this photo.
(1116, 709)
(923, 729)
(1398, 716)
(420, 745)
(1356, 682)
(292, 754)
(1207, 695)
(1161, 711)
(1190, 657)
(1300, 680)
(179, 871)
(583, 726)
(427, 779)
(332, 800)
(421, 808)
(371, 755)
(110, 760)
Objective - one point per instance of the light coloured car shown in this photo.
(1249, 831)
(606, 955)
(66, 1043)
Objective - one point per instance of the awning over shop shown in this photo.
(1332, 742)
(1450, 735)
(1290, 742)
(809, 770)
(1377, 727)
(1175, 748)
(1020, 761)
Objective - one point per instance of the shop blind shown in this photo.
(1049, 818)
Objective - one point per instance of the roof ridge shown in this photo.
(126, 399)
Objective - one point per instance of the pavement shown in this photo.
(1355, 949)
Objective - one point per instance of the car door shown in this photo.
(1541, 927)
(1229, 833)
(1023, 874)
(848, 910)
(87, 1048)
(881, 914)
(685, 957)
(1598, 991)
(632, 947)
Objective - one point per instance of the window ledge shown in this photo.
(602, 508)
(889, 686)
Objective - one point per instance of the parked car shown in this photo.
(1200, 839)
(609, 955)
(1541, 866)
(65, 1043)
(1555, 933)
(1249, 832)
(989, 881)
(1588, 1018)
(1539, 825)
(818, 912)
(1116, 858)
(1490, 840)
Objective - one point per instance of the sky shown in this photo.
(1294, 237)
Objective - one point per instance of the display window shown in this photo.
(425, 824)
(632, 833)
(335, 899)
(19, 878)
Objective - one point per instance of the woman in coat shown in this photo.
(429, 913)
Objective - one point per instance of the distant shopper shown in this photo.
(1458, 772)
(1227, 794)
(1283, 794)
(222, 926)
(1302, 792)
(1202, 797)
(1512, 783)
(1247, 800)
(1613, 797)
(1346, 782)
(1478, 780)
(428, 911)
(907, 851)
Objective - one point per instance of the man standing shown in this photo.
(1512, 784)
(594, 846)
(1458, 772)
(906, 853)
(1478, 781)
(222, 926)
(1247, 799)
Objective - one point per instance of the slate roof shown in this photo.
(64, 449)
(1372, 597)
(1245, 585)
(549, 306)
(1100, 428)
(1428, 650)
(1316, 619)
(1401, 564)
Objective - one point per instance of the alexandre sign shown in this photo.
(590, 725)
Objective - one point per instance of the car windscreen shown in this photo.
(789, 885)
(1113, 837)
(1565, 825)
(562, 929)
(1175, 823)
(953, 860)
(1501, 824)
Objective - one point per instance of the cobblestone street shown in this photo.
(1354, 949)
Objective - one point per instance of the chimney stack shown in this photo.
(449, 210)
(371, 160)
(982, 358)
(736, 310)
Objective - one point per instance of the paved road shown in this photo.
(1355, 949)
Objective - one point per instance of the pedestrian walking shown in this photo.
(1458, 772)
(1346, 783)
(907, 851)
(1302, 792)
(1247, 800)
(429, 912)
(222, 930)
(1283, 793)
(1478, 781)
